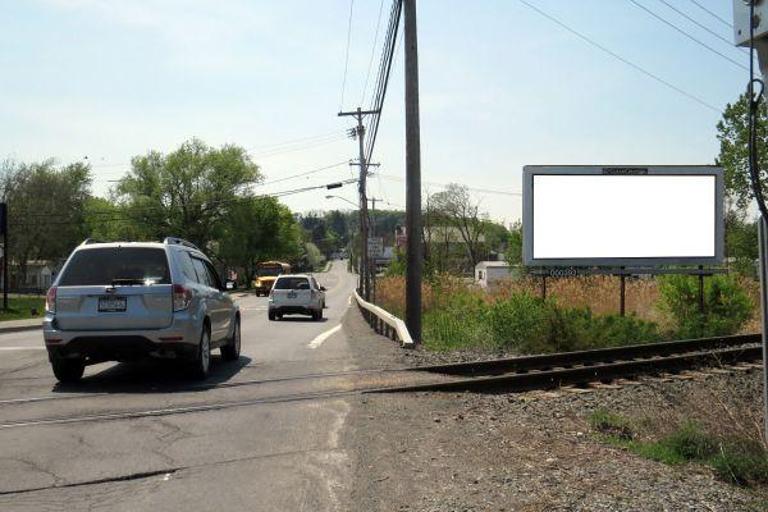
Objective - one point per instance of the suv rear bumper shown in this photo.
(293, 310)
(179, 341)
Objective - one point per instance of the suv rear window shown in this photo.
(292, 283)
(93, 267)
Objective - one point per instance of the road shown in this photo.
(142, 437)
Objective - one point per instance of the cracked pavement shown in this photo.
(268, 456)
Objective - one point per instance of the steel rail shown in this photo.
(629, 352)
(599, 371)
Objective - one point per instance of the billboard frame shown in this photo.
(529, 171)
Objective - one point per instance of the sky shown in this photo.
(501, 86)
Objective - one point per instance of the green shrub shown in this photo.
(519, 322)
(727, 306)
(616, 330)
(458, 321)
(526, 324)
(738, 461)
(741, 462)
(611, 424)
(691, 443)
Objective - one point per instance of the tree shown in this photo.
(457, 208)
(188, 192)
(733, 134)
(45, 210)
(515, 244)
(106, 220)
(258, 229)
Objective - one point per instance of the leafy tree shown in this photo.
(258, 229)
(106, 220)
(733, 134)
(455, 207)
(188, 192)
(45, 210)
(515, 244)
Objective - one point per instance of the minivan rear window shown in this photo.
(103, 266)
(292, 283)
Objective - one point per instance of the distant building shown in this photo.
(487, 273)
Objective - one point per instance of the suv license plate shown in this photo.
(112, 304)
(292, 295)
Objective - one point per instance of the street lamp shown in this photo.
(342, 198)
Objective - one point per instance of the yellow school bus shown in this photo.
(266, 273)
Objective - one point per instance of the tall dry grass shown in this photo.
(600, 293)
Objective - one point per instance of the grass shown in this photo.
(736, 460)
(20, 308)
(579, 313)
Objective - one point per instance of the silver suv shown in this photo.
(129, 300)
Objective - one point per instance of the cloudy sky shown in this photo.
(502, 86)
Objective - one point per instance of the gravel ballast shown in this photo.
(535, 451)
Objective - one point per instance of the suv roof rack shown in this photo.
(179, 241)
(89, 241)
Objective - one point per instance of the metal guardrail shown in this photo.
(384, 323)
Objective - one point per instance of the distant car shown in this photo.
(296, 294)
(129, 300)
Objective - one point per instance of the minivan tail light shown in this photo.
(182, 297)
(50, 300)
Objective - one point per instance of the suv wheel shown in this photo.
(231, 351)
(271, 315)
(67, 371)
(202, 362)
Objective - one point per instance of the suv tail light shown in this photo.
(50, 300)
(182, 297)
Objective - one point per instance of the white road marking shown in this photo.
(21, 348)
(324, 336)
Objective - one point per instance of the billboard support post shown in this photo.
(762, 235)
(544, 287)
(623, 293)
(701, 290)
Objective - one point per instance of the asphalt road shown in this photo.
(143, 437)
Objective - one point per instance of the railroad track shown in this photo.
(570, 368)
(510, 375)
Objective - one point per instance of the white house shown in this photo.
(489, 272)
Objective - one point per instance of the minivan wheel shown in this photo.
(202, 362)
(67, 371)
(231, 351)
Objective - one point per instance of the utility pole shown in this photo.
(415, 251)
(373, 235)
(365, 281)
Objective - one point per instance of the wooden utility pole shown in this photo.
(415, 251)
(363, 270)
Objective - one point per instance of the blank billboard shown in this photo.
(594, 216)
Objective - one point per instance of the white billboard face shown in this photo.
(592, 219)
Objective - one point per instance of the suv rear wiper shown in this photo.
(127, 282)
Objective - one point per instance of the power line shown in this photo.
(346, 57)
(689, 36)
(700, 25)
(297, 148)
(291, 145)
(290, 142)
(306, 173)
(385, 67)
(713, 14)
(109, 216)
(620, 58)
(373, 52)
(446, 185)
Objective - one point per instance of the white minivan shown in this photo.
(296, 294)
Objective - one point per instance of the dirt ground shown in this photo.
(533, 451)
